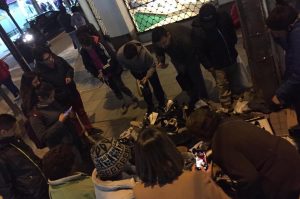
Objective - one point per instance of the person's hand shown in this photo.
(208, 171)
(68, 80)
(144, 80)
(162, 65)
(275, 100)
(62, 117)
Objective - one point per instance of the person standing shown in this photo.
(101, 62)
(215, 37)
(77, 20)
(5, 79)
(175, 40)
(64, 20)
(284, 24)
(56, 71)
(20, 173)
(135, 57)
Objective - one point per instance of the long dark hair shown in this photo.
(27, 92)
(156, 157)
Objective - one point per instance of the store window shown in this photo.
(148, 14)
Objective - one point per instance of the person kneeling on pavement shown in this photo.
(264, 166)
(160, 167)
(20, 173)
(113, 176)
(65, 180)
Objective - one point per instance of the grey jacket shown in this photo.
(143, 63)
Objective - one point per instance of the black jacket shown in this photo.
(20, 174)
(181, 49)
(64, 20)
(105, 53)
(260, 162)
(216, 44)
(56, 77)
(44, 122)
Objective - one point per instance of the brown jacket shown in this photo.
(190, 185)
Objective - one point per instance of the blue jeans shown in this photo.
(11, 86)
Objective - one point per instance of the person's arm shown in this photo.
(293, 80)
(42, 131)
(198, 36)
(231, 28)
(160, 55)
(88, 64)
(149, 61)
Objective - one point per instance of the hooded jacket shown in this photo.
(120, 189)
(215, 43)
(20, 173)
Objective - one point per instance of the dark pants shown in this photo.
(11, 86)
(117, 85)
(193, 81)
(78, 108)
(157, 89)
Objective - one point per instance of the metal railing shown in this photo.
(148, 14)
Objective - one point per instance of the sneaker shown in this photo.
(124, 109)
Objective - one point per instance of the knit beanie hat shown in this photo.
(109, 157)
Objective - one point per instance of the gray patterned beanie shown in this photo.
(109, 157)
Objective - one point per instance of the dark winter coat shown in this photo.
(257, 160)
(44, 122)
(181, 50)
(290, 88)
(56, 77)
(20, 174)
(105, 53)
(215, 45)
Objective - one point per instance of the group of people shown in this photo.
(260, 165)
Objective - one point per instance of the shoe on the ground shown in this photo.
(94, 131)
(17, 98)
(224, 110)
(124, 109)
